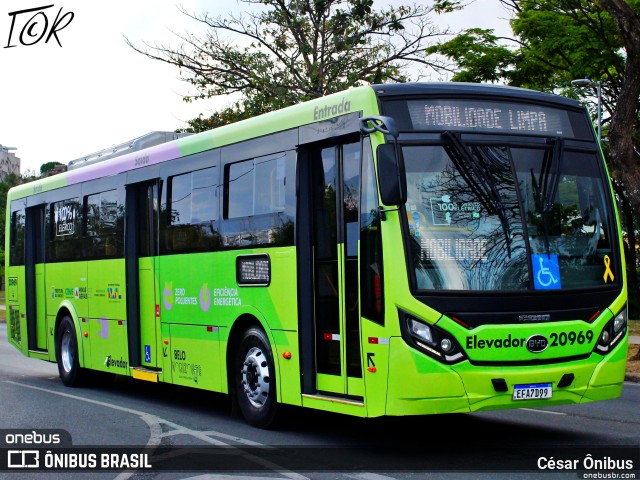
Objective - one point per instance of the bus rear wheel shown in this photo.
(67, 348)
(255, 379)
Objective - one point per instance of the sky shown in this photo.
(59, 103)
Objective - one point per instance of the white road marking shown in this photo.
(368, 476)
(543, 411)
(211, 476)
(155, 426)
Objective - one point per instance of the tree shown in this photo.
(9, 180)
(47, 167)
(287, 51)
(554, 42)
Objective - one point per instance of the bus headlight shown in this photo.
(620, 321)
(612, 333)
(421, 330)
(430, 339)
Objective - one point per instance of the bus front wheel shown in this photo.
(255, 379)
(67, 346)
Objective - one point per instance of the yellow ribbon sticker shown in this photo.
(607, 272)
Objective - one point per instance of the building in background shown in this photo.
(9, 163)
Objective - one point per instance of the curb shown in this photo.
(632, 377)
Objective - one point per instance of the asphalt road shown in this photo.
(308, 444)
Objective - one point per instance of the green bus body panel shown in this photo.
(166, 358)
(201, 289)
(419, 385)
(198, 302)
(149, 323)
(67, 281)
(106, 289)
(494, 343)
(32, 188)
(108, 344)
(289, 370)
(16, 318)
(375, 383)
(195, 357)
(41, 328)
(612, 370)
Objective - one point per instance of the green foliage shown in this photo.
(47, 167)
(288, 51)
(447, 6)
(478, 55)
(554, 42)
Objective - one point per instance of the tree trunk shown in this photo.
(623, 120)
(628, 221)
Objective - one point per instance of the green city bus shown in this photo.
(400, 249)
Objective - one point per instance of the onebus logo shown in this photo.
(537, 343)
(32, 438)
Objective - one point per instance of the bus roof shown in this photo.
(352, 100)
(357, 99)
(463, 89)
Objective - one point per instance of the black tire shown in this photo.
(67, 354)
(255, 379)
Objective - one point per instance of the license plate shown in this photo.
(534, 391)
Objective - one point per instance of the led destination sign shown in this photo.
(488, 116)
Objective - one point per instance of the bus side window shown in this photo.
(260, 201)
(104, 225)
(371, 275)
(65, 227)
(192, 215)
(17, 238)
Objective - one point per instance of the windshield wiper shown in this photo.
(479, 180)
(545, 189)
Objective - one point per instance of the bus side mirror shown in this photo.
(391, 175)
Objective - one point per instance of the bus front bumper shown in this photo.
(419, 385)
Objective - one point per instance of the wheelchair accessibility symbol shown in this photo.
(546, 272)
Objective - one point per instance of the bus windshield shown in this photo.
(507, 218)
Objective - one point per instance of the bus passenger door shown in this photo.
(335, 179)
(140, 253)
(34, 278)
